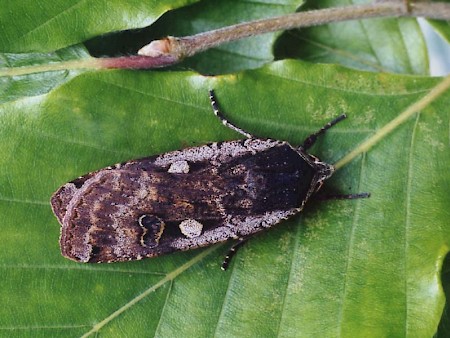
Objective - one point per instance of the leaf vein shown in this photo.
(409, 182)
(169, 277)
(289, 279)
(350, 248)
(227, 293)
(20, 200)
(183, 103)
(40, 327)
(169, 292)
(269, 3)
(345, 90)
(79, 267)
(341, 52)
(51, 19)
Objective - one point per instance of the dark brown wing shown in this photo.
(144, 208)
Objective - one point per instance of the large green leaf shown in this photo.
(372, 266)
(49, 25)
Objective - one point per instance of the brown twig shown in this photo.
(171, 50)
(179, 48)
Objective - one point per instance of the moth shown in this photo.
(187, 199)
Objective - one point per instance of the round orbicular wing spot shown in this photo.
(191, 228)
(179, 167)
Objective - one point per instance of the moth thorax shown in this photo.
(324, 172)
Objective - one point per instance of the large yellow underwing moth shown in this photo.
(187, 199)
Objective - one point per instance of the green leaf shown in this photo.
(32, 74)
(50, 25)
(373, 266)
(389, 45)
(441, 26)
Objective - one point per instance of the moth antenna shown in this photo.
(222, 118)
(311, 139)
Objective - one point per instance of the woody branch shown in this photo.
(171, 50)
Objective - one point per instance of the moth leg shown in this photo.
(311, 139)
(224, 121)
(342, 196)
(232, 252)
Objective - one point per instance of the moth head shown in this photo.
(324, 171)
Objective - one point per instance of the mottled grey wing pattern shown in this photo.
(181, 200)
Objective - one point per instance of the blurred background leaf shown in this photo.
(361, 44)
